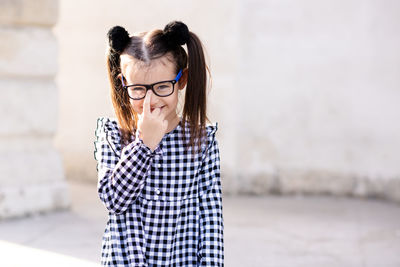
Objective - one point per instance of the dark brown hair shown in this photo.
(151, 45)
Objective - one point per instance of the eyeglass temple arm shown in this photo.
(122, 80)
(178, 76)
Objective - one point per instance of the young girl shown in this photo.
(159, 173)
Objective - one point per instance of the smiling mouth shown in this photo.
(153, 108)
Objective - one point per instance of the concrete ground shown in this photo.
(278, 231)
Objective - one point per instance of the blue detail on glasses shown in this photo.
(178, 76)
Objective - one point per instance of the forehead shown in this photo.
(136, 71)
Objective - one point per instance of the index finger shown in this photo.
(146, 103)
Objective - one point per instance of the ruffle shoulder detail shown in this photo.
(212, 129)
(107, 130)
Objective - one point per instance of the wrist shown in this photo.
(149, 144)
(146, 141)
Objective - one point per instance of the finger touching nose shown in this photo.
(146, 102)
(154, 101)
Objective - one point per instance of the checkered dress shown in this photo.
(165, 206)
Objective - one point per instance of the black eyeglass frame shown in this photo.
(151, 86)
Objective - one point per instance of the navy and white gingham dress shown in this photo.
(165, 206)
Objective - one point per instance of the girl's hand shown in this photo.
(151, 125)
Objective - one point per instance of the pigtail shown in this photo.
(195, 107)
(118, 39)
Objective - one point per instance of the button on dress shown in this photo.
(164, 206)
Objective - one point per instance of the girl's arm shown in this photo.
(211, 242)
(121, 174)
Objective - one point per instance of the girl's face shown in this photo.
(160, 69)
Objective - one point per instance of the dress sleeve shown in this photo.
(121, 172)
(211, 240)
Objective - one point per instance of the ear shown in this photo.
(120, 77)
(183, 80)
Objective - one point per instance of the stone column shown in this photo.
(31, 173)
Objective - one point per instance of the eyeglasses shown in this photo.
(164, 88)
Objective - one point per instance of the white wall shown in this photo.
(31, 172)
(305, 92)
(323, 78)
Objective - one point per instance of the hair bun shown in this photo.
(176, 32)
(118, 38)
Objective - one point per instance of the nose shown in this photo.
(154, 99)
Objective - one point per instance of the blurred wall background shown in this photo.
(305, 92)
(32, 177)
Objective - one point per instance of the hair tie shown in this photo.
(176, 33)
(118, 39)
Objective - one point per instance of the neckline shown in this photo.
(175, 129)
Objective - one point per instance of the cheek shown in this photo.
(137, 105)
(173, 100)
